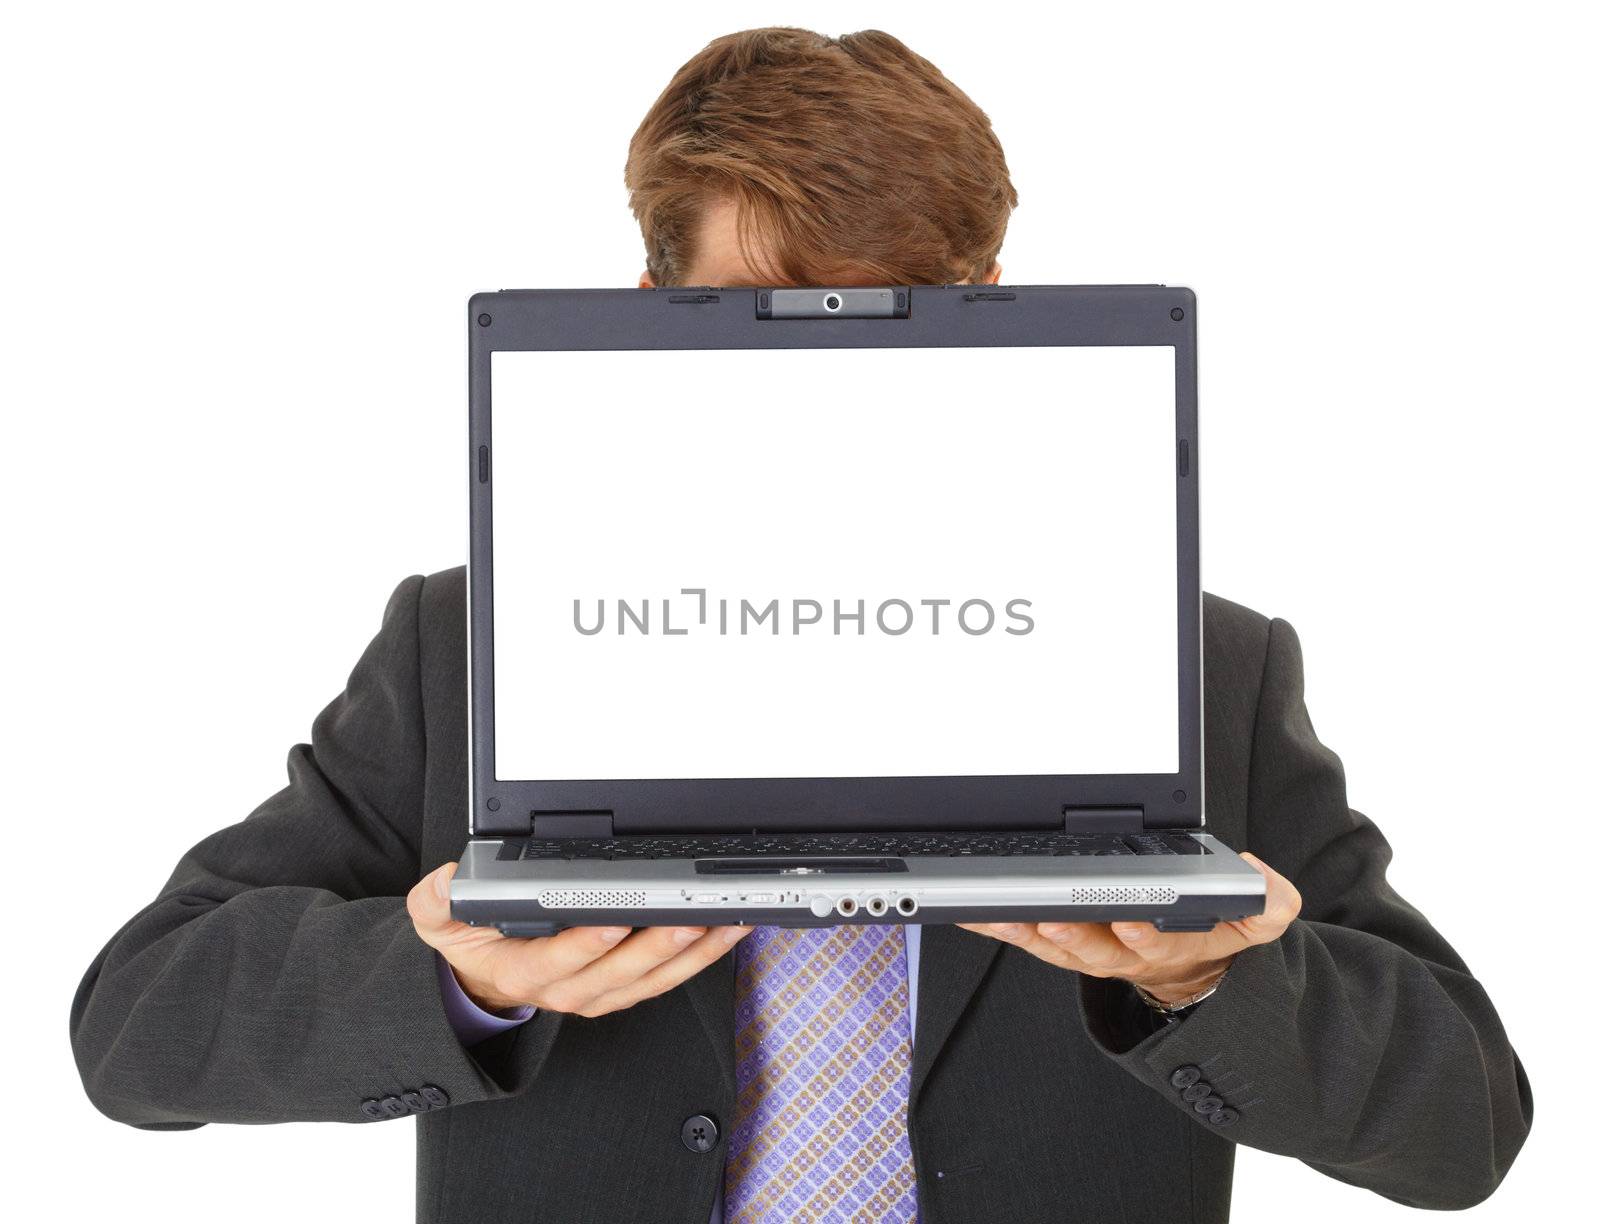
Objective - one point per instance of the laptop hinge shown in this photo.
(572, 824)
(1103, 819)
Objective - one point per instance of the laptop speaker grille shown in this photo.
(1125, 894)
(590, 898)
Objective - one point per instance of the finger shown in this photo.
(1280, 907)
(1006, 932)
(1174, 948)
(428, 903)
(1148, 944)
(534, 963)
(1092, 944)
(1024, 935)
(619, 968)
(1060, 947)
(1169, 956)
(671, 973)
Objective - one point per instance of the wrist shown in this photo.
(1182, 992)
(483, 996)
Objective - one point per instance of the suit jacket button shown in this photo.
(393, 1107)
(373, 1109)
(1185, 1075)
(699, 1133)
(1197, 1091)
(415, 1102)
(1209, 1104)
(435, 1096)
(1226, 1116)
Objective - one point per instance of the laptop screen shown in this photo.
(834, 563)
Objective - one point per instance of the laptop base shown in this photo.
(535, 897)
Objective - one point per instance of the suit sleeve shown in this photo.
(277, 976)
(1359, 1042)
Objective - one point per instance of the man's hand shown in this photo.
(585, 970)
(1170, 966)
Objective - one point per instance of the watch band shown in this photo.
(1182, 1006)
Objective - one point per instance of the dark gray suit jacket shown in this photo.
(277, 978)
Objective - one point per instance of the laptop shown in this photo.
(809, 606)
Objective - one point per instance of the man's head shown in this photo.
(782, 157)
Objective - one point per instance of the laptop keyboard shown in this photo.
(939, 845)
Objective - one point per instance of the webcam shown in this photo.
(889, 302)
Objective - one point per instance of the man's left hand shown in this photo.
(1171, 967)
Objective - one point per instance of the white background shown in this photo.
(848, 476)
(238, 244)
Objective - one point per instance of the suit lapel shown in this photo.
(711, 993)
(952, 964)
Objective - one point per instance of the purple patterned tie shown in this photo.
(822, 1049)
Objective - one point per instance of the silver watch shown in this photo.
(1182, 1005)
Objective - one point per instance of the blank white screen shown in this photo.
(870, 475)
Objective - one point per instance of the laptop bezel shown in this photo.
(938, 316)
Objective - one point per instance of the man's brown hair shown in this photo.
(843, 157)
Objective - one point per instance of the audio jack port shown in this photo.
(877, 906)
(906, 905)
(846, 907)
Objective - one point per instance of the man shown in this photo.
(295, 968)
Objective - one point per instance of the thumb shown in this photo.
(1280, 907)
(428, 903)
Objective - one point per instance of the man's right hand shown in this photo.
(588, 971)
